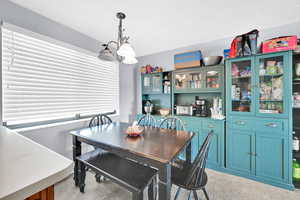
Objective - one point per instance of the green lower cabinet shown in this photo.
(194, 146)
(214, 159)
(259, 155)
(239, 149)
(271, 157)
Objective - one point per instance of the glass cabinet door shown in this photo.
(156, 83)
(147, 83)
(240, 84)
(190, 80)
(271, 85)
(213, 78)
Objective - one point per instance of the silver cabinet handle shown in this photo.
(240, 122)
(211, 126)
(272, 125)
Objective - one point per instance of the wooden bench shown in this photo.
(127, 173)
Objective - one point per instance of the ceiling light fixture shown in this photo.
(124, 52)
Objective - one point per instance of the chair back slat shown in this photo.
(173, 123)
(104, 119)
(99, 119)
(198, 167)
(147, 120)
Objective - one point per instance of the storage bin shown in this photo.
(188, 59)
(280, 44)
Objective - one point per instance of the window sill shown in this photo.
(115, 116)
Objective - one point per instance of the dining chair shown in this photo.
(98, 120)
(172, 123)
(192, 176)
(147, 120)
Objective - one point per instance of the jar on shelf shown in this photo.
(296, 142)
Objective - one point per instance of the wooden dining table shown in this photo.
(156, 147)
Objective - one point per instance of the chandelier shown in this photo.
(119, 50)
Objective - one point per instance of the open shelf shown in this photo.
(269, 75)
(240, 77)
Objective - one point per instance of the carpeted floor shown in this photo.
(220, 187)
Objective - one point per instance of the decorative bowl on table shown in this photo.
(134, 131)
(164, 111)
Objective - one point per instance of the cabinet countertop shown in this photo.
(27, 167)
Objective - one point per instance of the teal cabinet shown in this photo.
(259, 85)
(198, 80)
(273, 87)
(271, 162)
(259, 117)
(240, 81)
(214, 155)
(202, 126)
(239, 151)
(259, 155)
(152, 83)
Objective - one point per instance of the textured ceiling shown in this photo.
(159, 25)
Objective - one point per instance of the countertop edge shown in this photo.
(41, 185)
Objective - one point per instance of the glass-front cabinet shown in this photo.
(259, 85)
(198, 79)
(241, 82)
(152, 83)
(272, 84)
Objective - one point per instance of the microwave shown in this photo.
(184, 110)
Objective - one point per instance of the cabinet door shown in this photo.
(273, 85)
(189, 80)
(146, 83)
(214, 154)
(239, 149)
(239, 84)
(214, 78)
(156, 83)
(271, 155)
(194, 146)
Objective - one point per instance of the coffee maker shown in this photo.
(201, 107)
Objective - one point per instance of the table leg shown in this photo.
(188, 153)
(76, 152)
(165, 182)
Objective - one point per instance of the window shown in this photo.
(44, 81)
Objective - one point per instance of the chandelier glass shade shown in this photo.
(130, 60)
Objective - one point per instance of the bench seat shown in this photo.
(127, 173)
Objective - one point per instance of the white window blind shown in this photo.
(44, 81)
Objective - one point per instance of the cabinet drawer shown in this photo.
(240, 123)
(271, 126)
(212, 125)
(191, 122)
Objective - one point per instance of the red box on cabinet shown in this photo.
(280, 44)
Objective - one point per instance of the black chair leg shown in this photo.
(205, 193)
(98, 178)
(195, 195)
(82, 174)
(151, 191)
(137, 195)
(177, 193)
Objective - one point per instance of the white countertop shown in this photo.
(27, 167)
